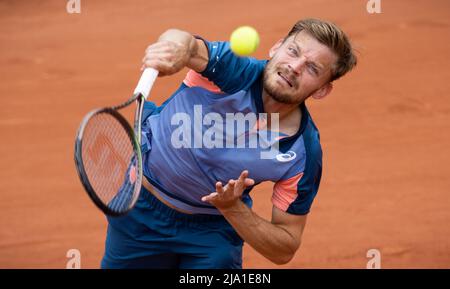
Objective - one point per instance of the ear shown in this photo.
(275, 47)
(323, 91)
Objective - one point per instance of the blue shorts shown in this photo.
(153, 235)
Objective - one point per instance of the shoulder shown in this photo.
(228, 71)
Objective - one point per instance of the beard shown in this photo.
(278, 93)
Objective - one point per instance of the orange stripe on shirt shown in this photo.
(285, 192)
(195, 79)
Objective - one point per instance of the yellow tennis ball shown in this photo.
(244, 40)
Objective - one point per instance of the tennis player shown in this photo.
(195, 209)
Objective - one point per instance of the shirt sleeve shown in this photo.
(295, 195)
(195, 79)
(229, 72)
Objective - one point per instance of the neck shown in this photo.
(289, 115)
(283, 109)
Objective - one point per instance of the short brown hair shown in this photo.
(334, 38)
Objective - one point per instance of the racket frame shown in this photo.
(135, 141)
(140, 94)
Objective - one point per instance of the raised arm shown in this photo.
(174, 50)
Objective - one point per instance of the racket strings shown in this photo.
(109, 160)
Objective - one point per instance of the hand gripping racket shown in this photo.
(108, 154)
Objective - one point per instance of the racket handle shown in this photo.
(146, 81)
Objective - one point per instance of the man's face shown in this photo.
(299, 67)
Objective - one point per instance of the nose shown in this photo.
(297, 65)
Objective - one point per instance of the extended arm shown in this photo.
(174, 50)
(277, 240)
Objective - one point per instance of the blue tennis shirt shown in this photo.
(212, 128)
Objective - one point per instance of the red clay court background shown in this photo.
(384, 129)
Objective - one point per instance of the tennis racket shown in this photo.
(108, 154)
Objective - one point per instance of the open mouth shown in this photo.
(285, 79)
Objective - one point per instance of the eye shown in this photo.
(292, 50)
(313, 69)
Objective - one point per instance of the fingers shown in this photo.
(209, 197)
(219, 188)
(154, 63)
(163, 57)
(230, 186)
(241, 183)
(154, 46)
(166, 56)
(231, 190)
(244, 181)
(219, 191)
(249, 182)
(159, 47)
(242, 177)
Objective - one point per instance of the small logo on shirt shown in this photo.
(288, 156)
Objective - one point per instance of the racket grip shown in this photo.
(146, 81)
